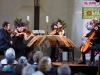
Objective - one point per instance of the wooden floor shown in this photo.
(75, 68)
(69, 64)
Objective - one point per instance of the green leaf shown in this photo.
(20, 20)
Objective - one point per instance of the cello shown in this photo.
(85, 47)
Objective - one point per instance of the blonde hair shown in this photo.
(45, 64)
(95, 19)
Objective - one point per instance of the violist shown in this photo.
(5, 38)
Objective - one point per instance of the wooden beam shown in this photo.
(36, 14)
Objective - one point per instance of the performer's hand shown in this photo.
(31, 34)
(84, 36)
(11, 42)
(16, 31)
(17, 34)
(90, 45)
(96, 28)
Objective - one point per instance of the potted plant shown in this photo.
(19, 23)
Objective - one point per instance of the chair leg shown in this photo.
(68, 56)
(73, 54)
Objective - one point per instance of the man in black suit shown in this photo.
(5, 38)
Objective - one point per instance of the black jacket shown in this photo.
(97, 35)
(5, 39)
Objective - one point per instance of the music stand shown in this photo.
(39, 40)
(36, 41)
(55, 40)
(58, 42)
(32, 41)
(71, 47)
(68, 42)
(63, 41)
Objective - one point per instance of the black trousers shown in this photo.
(56, 52)
(95, 47)
(53, 50)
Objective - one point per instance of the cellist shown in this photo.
(95, 45)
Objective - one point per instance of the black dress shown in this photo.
(19, 46)
(55, 52)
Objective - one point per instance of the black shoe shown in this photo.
(91, 63)
(82, 62)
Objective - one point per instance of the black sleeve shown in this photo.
(98, 31)
(6, 36)
(7, 40)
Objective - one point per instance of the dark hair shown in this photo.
(18, 69)
(30, 57)
(59, 21)
(5, 24)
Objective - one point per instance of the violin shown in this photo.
(60, 29)
(27, 32)
(11, 32)
(14, 33)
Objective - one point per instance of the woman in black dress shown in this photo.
(20, 48)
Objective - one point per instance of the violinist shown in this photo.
(18, 45)
(95, 45)
(57, 31)
(5, 38)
